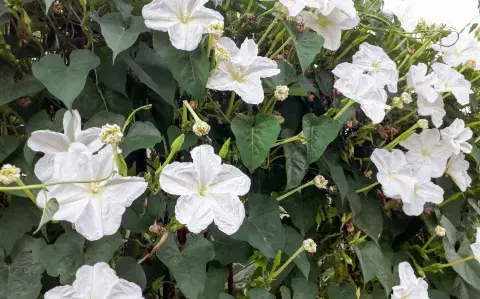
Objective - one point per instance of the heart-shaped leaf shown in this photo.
(51, 207)
(319, 132)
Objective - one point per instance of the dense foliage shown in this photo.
(237, 149)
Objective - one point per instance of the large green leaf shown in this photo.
(302, 208)
(104, 117)
(343, 291)
(189, 265)
(128, 269)
(367, 214)
(217, 276)
(10, 91)
(470, 270)
(20, 279)
(320, 132)
(293, 241)
(260, 294)
(295, 160)
(40, 121)
(140, 135)
(262, 228)
(117, 35)
(332, 159)
(18, 219)
(113, 74)
(65, 82)
(302, 289)
(287, 76)
(307, 44)
(254, 137)
(51, 207)
(67, 254)
(8, 144)
(285, 292)
(464, 290)
(229, 250)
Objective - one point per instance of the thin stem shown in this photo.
(267, 104)
(269, 28)
(156, 247)
(428, 242)
(347, 105)
(230, 105)
(287, 140)
(266, 12)
(283, 196)
(402, 137)
(26, 191)
(130, 117)
(287, 262)
(281, 47)
(366, 188)
(195, 116)
(406, 117)
(461, 261)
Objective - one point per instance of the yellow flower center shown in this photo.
(323, 20)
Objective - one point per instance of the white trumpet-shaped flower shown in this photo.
(362, 89)
(410, 286)
(427, 151)
(394, 174)
(405, 10)
(476, 246)
(184, 20)
(96, 208)
(329, 25)
(435, 110)
(242, 73)
(458, 49)
(457, 136)
(98, 281)
(452, 81)
(295, 6)
(457, 169)
(54, 143)
(422, 83)
(208, 191)
(377, 64)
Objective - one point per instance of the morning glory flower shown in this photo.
(458, 48)
(405, 11)
(427, 151)
(54, 143)
(458, 135)
(330, 25)
(96, 209)
(418, 80)
(362, 89)
(242, 73)
(476, 246)
(327, 6)
(184, 20)
(457, 169)
(435, 110)
(295, 6)
(452, 81)
(377, 64)
(97, 281)
(410, 286)
(394, 173)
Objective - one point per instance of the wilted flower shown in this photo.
(201, 128)
(320, 182)
(406, 97)
(9, 174)
(310, 246)
(439, 231)
(111, 134)
(281, 92)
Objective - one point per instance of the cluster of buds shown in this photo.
(422, 124)
(221, 53)
(397, 103)
(111, 134)
(57, 8)
(470, 64)
(216, 29)
(406, 98)
(281, 92)
(440, 231)
(9, 174)
(301, 26)
(281, 10)
(250, 17)
(387, 132)
(310, 246)
(320, 182)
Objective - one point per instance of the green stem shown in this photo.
(281, 48)
(350, 46)
(130, 117)
(195, 116)
(277, 39)
(269, 28)
(283, 196)
(402, 137)
(347, 105)
(267, 104)
(287, 262)
(475, 79)
(461, 261)
(287, 140)
(453, 197)
(266, 12)
(230, 105)
(26, 191)
(406, 117)
(366, 188)
(428, 242)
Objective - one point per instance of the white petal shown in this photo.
(415, 208)
(179, 179)
(228, 212)
(194, 211)
(71, 124)
(207, 164)
(204, 16)
(250, 90)
(102, 163)
(406, 274)
(123, 190)
(48, 142)
(185, 36)
(247, 53)
(435, 110)
(229, 44)
(90, 222)
(76, 165)
(160, 15)
(90, 137)
(125, 290)
(62, 292)
(44, 169)
(429, 192)
(262, 67)
(230, 180)
(96, 281)
(294, 6)
(221, 77)
(72, 200)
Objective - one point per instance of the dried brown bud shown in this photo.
(410, 51)
(24, 102)
(428, 211)
(155, 228)
(57, 7)
(348, 124)
(193, 104)
(250, 17)
(301, 26)
(368, 174)
(354, 121)
(311, 97)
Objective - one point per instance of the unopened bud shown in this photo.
(201, 128)
(310, 246)
(410, 52)
(111, 134)
(216, 29)
(57, 7)
(301, 26)
(397, 103)
(422, 123)
(439, 231)
(281, 92)
(281, 10)
(279, 117)
(224, 150)
(155, 228)
(471, 64)
(320, 182)
(193, 104)
(406, 97)
(177, 143)
(368, 174)
(250, 17)
(9, 174)
(221, 53)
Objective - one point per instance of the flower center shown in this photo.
(323, 21)
(424, 152)
(184, 17)
(94, 188)
(376, 66)
(238, 76)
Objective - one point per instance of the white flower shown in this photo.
(394, 173)
(435, 110)
(295, 6)
(208, 191)
(201, 128)
(95, 208)
(410, 286)
(427, 151)
(327, 6)
(53, 143)
(457, 169)
(111, 134)
(458, 48)
(440, 231)
(405, 11)
(310, 246)
(243, 72)
(376, 62)
(9, 174)
(452, 81)
(97, 281)
(281, 92)
(422, 83)
(320, 182)
(362, 89)
(458, 135)
(329, 25)
(184, 20)
(476, 246)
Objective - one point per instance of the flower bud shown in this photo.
(310, 246)
(216, 29)
(201, 128)
(368, 174)
(279, 117)
(320, 182)
(177, 143)
(221, 53)
(471, 64)
(111, 134)
(250, 17)
(422, 123)
(281, 10)
(193, 104)
(281, 92)
(155, 228)
(439, 231)
(224, 150)
(9, 173)
(397, 103)
(406, 97)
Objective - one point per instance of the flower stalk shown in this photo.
(287, 262)
(366, 188)
(130, 117)
(345, 108)
(26, 191)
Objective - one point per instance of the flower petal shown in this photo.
(160, 15)
(194, 211)
(228, 212)
(90, 221)
(90, 138)
(207, 164)
(72, 124)
(44, 169)
(185, 36)
(250, 90)
(62, 292)
(48, 142)
(263, 67)
(179, 179)
(230, 180)
(123, 190)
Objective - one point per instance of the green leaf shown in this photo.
(104, 117)
(470, 270)
(10, 91)
(157, 204)
(128, 269)
(190, 138)
(369, 219)
(464, 290)
(113, 75)
(20, 279)
(332, 160)
(229, 250)
(140, 135)
(302, 208)
(293, 241)
(375, 264)
(262, 228)
(254, 137)
(287, 76)
(8, 144)
(295, 160)
(325, 82)
(302, 289)
(40, 121)
(260, 294)
(343, 291)
(189, 265)
(307, 45)
(102, 250)
(217, 276)
(89, 102)
(135, 222)
(18, 219)
(320, 132)
(65, 82)
(118, 36)
(436, 294)
(48, 3)
(285, 292)
(51, 207)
